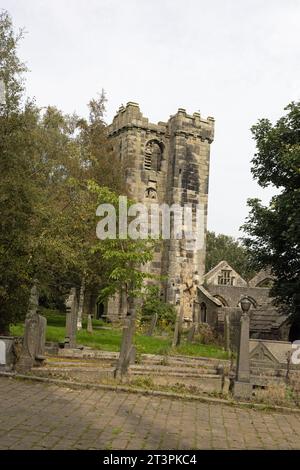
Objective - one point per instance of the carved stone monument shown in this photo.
(242, 385)
(33, 347)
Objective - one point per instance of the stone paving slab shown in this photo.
(42, 416)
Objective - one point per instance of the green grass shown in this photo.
(109, 339)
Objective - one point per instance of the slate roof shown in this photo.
(266, 319)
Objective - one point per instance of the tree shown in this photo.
(223, 247)
(122, 260)
(16, 193)
(47, 160)
(273, 231)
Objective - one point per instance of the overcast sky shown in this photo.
(235, 60)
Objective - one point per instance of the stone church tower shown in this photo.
(167, 163)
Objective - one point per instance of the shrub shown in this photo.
(205, 335)
(154, 304)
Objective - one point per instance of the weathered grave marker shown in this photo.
(152, 324)
(33, 347)
(191, 333)
(89, 324)
(71, 319)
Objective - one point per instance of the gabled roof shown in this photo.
(262, 275)
(210, 297)
(222, 265)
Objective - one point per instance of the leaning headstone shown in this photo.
(71, 319)
(89, 324)
(178, 326)
(132, 355)
(127, 355)
(191, 333)
(33, 347)
(121, 363)
(152, 324)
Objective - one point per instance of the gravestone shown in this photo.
(71, 319)
(80, 305)
(242, 385)
(178, 326)
(227, 332)
(191, 333)
(127, 350)
(42, 326)
(33, 348)
(152, 324)
(89, 324)
(132, 355)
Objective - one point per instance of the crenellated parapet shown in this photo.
(130, 117)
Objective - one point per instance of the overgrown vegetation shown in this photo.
(108, 338)
(55, 170)
(153, 304)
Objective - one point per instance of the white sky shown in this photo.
(236, 60)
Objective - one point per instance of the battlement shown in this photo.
(132, 117)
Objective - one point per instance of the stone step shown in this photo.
(185, 361)
(263, 381)
(86, 365)
(180, 370)
(268, 372)
(178, 361)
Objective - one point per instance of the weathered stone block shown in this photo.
(242, 390)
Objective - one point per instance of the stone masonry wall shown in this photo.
(167, 163)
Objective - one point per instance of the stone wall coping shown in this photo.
(122, 388)
(269, 341)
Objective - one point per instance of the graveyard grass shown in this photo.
(108, 338)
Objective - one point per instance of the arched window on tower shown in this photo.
(153, 155)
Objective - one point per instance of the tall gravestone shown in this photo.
(80, 305)
(191, 333)
(227, 333)
(71, 319)
(178, 327)
(152, 324)
(33, 348)
(89, 324)
(127, 350)
(242, 385)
